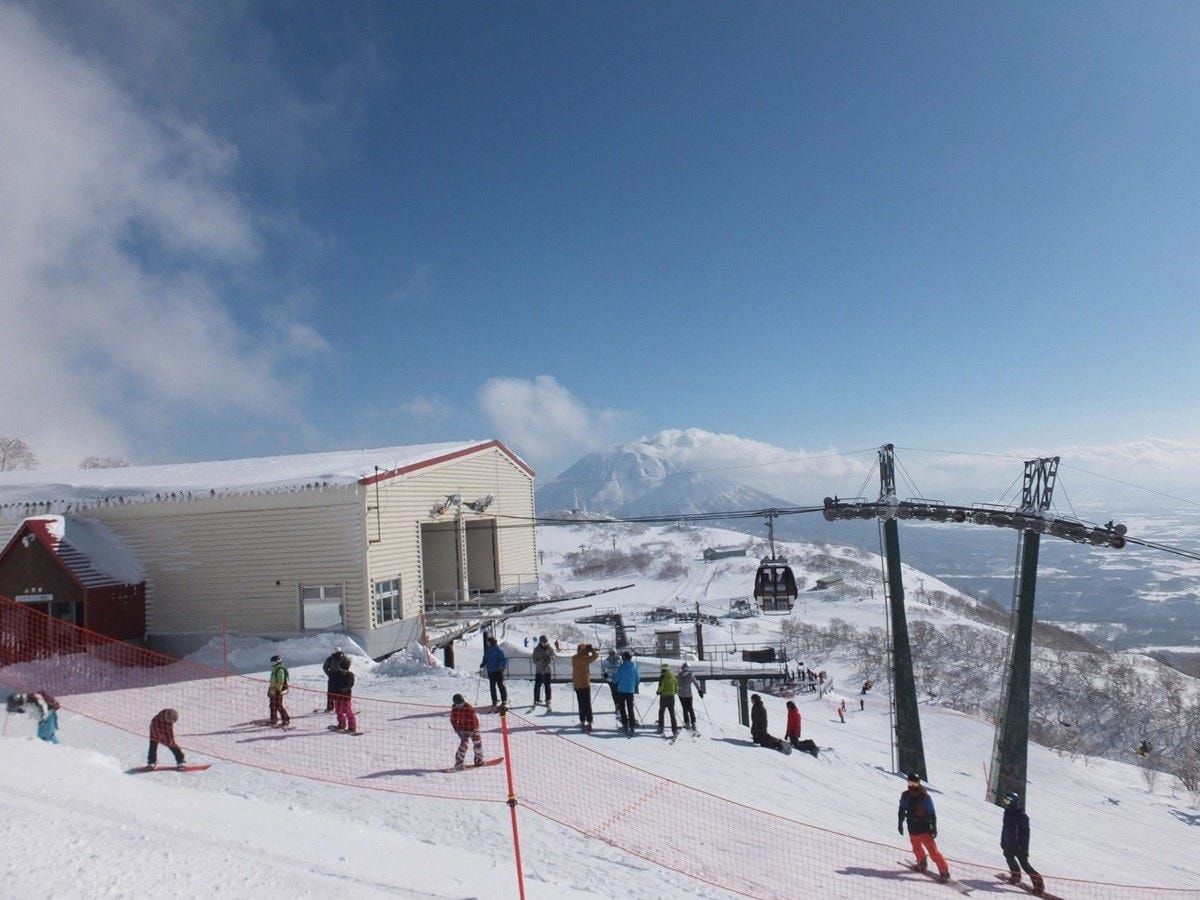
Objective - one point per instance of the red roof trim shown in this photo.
(424, 464)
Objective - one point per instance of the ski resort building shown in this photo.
(354, 542)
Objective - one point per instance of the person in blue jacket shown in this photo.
(627, 679)
(1014, 842)
(496, 663)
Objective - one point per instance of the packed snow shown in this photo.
(79, 827)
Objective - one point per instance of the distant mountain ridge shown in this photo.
(639, 479)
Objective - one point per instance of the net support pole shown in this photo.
(512, 802)
(224, 650)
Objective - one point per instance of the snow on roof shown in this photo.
(56, 489)
(89, 549)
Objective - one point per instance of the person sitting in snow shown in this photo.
(465, 723)
(162, 731)
(1014, 842)
(44, 709)
(277, 685)
(758, 727)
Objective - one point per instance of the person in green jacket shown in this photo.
(668, 687)
(275, 689)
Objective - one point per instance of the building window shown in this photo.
(320, 606)
(387, 601)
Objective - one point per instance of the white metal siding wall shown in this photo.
(408, 500)
(221, 557)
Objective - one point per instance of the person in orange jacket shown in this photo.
(581, 680)
(465, 723)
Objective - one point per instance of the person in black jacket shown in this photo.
(916, 809)
(341, 684)
(758, 727)
(1014, 841)
(333, 662)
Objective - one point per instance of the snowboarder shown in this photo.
(1144, 749)
(758, 727)
(916, 808)
(45, 710)
(792, 731)
(668, 687)
(277, 686)
(162, 731)
(608, 671)
(687, 681)
(330, 667)
(342, 686)
(543, 670)
(842, 711)
(465, 723)
(496, 662)
(1014, 842)
(581, 680)
(627, 679)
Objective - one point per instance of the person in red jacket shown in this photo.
(465, 723)
(792, 735)
(162, 731)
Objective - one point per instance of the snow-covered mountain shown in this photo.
(641, 479)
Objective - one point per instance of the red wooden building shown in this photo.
(76, 569)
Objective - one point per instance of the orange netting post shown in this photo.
(512, 800)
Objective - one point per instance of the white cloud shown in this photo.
(118, 231)
(542, 420)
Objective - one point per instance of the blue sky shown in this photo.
(255, 228)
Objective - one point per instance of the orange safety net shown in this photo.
(407, 748)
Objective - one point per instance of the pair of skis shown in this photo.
(964, 889)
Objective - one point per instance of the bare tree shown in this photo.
(15, 453)
(104, 462)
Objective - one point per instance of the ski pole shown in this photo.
(478, 685)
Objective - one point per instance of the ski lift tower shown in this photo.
(1011, 749)
(910, 749)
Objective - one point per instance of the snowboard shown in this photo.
(344, 731)
(932, 873)
(185, 768)
(1027, 887)
(486, 762)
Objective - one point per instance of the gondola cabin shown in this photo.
(775, 586)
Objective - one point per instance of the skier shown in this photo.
(465, 723)
(627, 679)
(758, 727)
(842, 711)
(495, 661)
(543, 669)
(331, 667)
(916, 808)
(668, 687)
(608, 671)
(581, 680)
(45, 710)
(867, 685)
(276, 687)
(341, 684)
(162, 731)
(687, 681)
(1014, 841)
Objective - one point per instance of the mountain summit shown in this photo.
(640, 479)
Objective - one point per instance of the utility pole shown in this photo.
(910, 748)
(699, 634)
(1010, 754)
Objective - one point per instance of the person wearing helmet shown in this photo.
(916, 808)
(162, 731)
(668, 687)
(1014, 842)
(331, 667)
(543, 670)
(465, 722)
(627, 678)
(687, 683)
(276, 686)
(342, 685)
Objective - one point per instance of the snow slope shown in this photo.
(237, 828)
